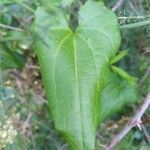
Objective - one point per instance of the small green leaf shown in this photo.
(11, 59)
(124, 74)
(117, 93)
(119, 56)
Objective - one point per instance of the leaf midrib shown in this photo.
(76, 69)
(76, 72)
(77, 83)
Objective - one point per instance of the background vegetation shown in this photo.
(25, 122)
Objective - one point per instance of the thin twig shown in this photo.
(63, 147)
(10, 27)
(12, 39)
(135, 121)
(147, 73)
(131, 17)
(118, 4)
(27, 20)
(134, 25)
(33, 66)
(131, 5)
(147, 136)
(26, 123)
(24, 5)
(134, 17)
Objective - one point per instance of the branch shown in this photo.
(10, 27)
(135, 121)
(118, 4)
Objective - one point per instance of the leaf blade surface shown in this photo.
(74, 68)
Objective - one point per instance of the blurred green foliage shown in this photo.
(117, 93)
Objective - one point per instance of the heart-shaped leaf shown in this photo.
(74, 67)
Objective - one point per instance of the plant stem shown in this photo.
(11, 28)
(132, 17)
(24, 5)
(27, 7)
(118, 4)
(135, 25)
(10, 39)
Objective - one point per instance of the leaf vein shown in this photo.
(77, 82)
(100, 32)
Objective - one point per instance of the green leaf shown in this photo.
(117, 93)
(74, 67)
(119, 56)
(11, 59)
(123, 74)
